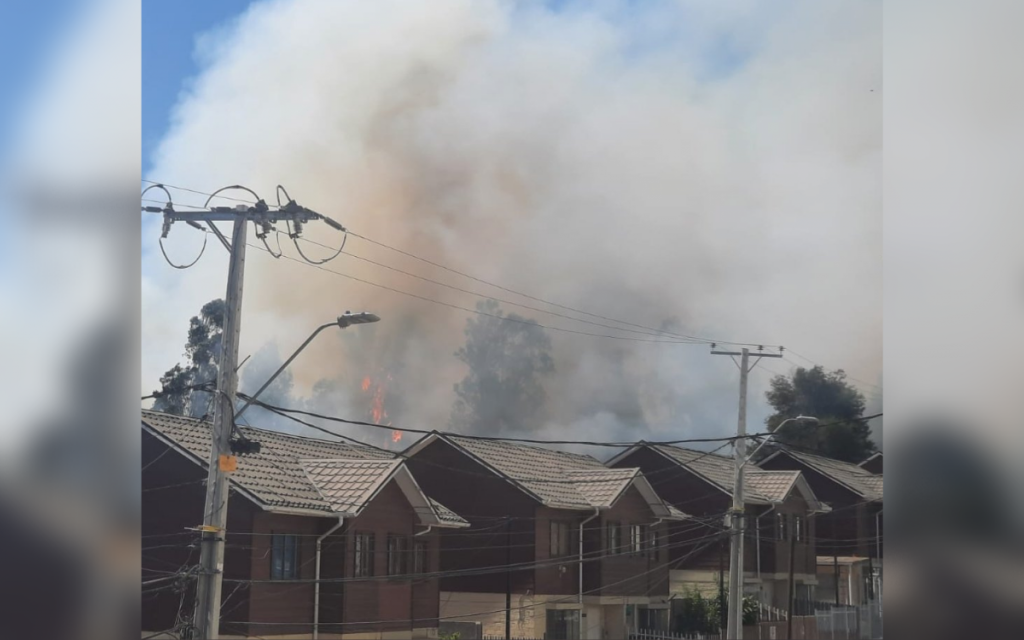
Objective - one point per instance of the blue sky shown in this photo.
(168, 43)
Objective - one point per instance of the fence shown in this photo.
(650, 634)
(862, 622)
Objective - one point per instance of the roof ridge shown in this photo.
(275, 432)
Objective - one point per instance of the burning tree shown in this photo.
(508, 356)
(377, 389)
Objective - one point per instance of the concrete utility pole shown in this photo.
(222, 460)
(736, 519)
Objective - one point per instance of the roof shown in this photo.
(281, 476)
(557, 479)
(761, 486)
(541, 472)
(774, 485)
(853, 477)
(602, 487)
(348, 485)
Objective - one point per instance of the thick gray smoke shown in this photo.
(714, 166)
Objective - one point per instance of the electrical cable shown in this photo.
(295, 236)
(163, 250)
(501, 300)
(690, 338)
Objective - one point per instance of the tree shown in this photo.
(507, 357)
(828, 397)
(177, 393)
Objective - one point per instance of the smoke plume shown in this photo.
(710, 167)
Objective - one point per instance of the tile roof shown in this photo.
(348, 485)
(718, 470)
(275, 475)
(446, 515)
(292, 472)
(542, 472)
(601, 487)
(858, 480)
(774, 485)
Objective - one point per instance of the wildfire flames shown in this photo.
(379, 414)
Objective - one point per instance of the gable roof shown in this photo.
(853, 477)
(761, 486)
(556, 479)
(278, 479)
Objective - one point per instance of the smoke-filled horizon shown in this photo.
(715, 170)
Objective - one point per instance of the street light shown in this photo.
(805, 419)
(345, 320)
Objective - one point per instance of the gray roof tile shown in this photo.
(540, 471)
(295, 472)
(855, 478)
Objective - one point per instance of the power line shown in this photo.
(501, 300)
(475, 311)
(655, 331)
(536, 441)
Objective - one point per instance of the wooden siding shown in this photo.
(691, 543)
(173, 495)
(850, 529)
(266, 608)
(484, 499)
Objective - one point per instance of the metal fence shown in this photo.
(863, 622)
(650, 634)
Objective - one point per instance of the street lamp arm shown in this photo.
(772, 434)
(281, 369)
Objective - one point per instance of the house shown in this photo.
(588, 545)
(301, 508)
(778, 504)
(854, 526)
(843, 580)
(873, 464)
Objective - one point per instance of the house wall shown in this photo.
(850, 529)
(627, 574)
(398, 607)
(484, 499)
(173, 495)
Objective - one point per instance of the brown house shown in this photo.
(587, 544)
(301, 508)
(779, 509)
(853, 528)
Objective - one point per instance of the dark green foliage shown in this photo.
(503, 392)
(696, 613)
(828, 397)
(177, 394)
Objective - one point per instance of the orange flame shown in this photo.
(366, 383)
(396, 436)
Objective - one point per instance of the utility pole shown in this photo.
(222, 460)
(792, 586)
(736, 516)
(508, 578)
(216, 510)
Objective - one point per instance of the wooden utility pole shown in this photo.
(792, 584)
(222, 460)
(736, 517)
(508, 578)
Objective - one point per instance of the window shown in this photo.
(563, 624)
(363, 564)
(560, 539)
(652, 542)
(614, 545)
(419, 557)
(798, 528)
(284, 557)
(398, 554)
(637, 538)
(781, 518)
